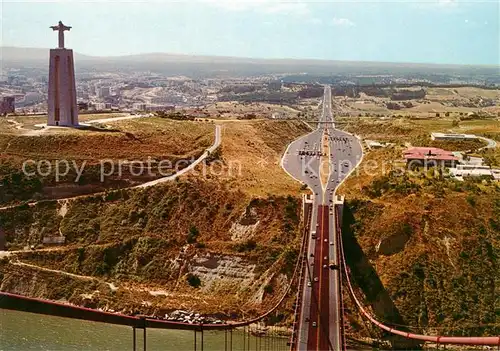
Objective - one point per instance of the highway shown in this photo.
(320, 316)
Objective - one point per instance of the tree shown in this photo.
(193, 280)
(192, 235)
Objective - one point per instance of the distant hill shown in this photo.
(203, 65)
(15, 54)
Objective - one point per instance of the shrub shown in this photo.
(248, 245)
(471, 200)
(193, 280)
(192, 235)
(200, 245)
(268, 289)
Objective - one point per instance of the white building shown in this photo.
(139, 106)
(474, 171)
(99, 106)
(372, 144)
(452, 136)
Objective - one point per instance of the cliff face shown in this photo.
(156, 239)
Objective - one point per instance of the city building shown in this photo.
(7, 105)
(429, 157)
(139, 106)
(103, 92)
(82, 106)
(30, 98)
(62, 107)
(452, 136)
(99, 106)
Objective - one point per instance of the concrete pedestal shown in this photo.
(62, 107)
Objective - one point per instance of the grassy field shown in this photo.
(255, 149)
(454, 101)
(416, 131)
(138, 140)
(234, 110)
(29, 122)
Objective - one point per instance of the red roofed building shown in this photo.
(429, 157)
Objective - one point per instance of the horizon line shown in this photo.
(257, 58)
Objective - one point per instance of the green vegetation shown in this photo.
(178, 116)
(192, 235)
(142, 140)
(268, 289)
(193, 280)
(248, 245)
(16, 186)
(423, 247)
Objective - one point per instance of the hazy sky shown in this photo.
(437, 31)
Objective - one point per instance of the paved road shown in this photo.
(92, 121)
(491, 143)
(320, 318)
(207, 152)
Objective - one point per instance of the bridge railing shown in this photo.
(300, 278)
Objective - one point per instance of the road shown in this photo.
(320, 316)
(207, 152)
(491, 143)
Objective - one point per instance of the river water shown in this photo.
(22, 331)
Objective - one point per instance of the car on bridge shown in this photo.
(334, 266)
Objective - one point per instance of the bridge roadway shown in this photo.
(320, 319)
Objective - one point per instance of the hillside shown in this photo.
(129, 152)
(184, 244)
(423, 249)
